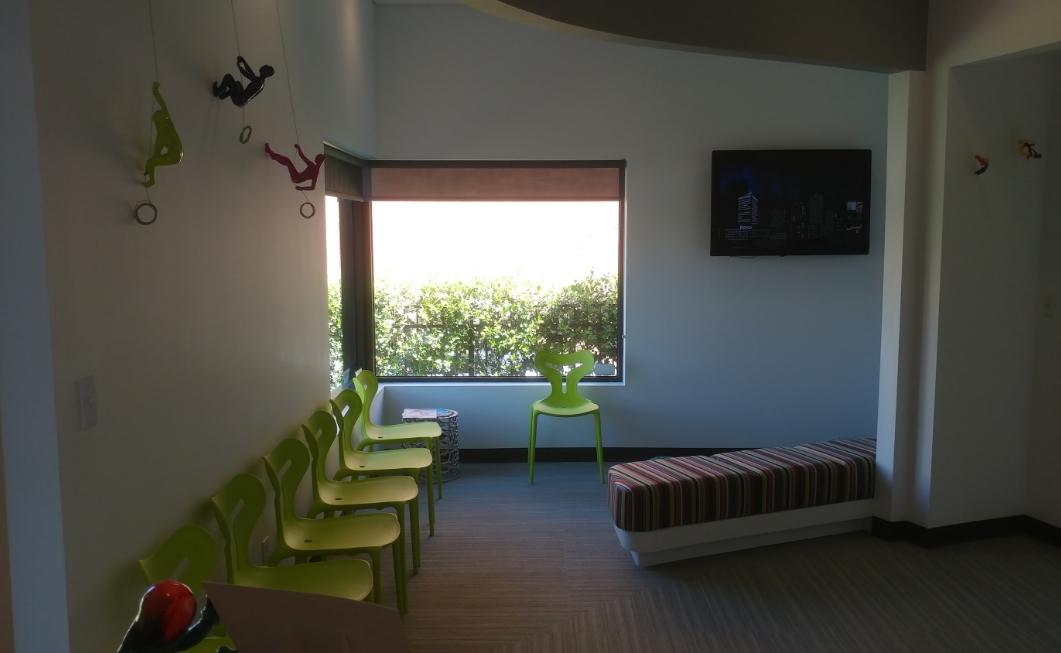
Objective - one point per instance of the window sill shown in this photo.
(448, 382)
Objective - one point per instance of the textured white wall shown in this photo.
(206, 332)
(959, 33)
(988, 290)
(720, 352)
(32, 504)
(1044, 490)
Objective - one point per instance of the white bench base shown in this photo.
(669, 544)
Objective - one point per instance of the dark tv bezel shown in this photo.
(718, 245)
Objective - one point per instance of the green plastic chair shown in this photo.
(188, 556)
(397, 492)
(427, 433)
(299, 537)
(237, 508)
(354, 463)
(563, 399)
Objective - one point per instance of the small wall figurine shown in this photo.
(230, 87)
(164, 622)
(981, 164)
(1029, 151)
(168, 150)
(308, 174)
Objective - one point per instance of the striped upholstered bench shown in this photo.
(672, 508)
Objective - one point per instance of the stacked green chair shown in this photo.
(354, 463)
(300, 537)
(397, 492)
(237, 508)
(428, 433)
(188, 556)
(563, 399)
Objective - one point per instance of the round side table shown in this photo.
(449, 445)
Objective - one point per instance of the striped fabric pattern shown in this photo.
(666, 492)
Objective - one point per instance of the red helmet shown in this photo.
(166, 610)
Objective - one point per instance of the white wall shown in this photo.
(988, 290)
(720, 352)
(206, 332)
(32, 503)
(1044, 491)
(959, 33)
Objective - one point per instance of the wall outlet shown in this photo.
(87, 404)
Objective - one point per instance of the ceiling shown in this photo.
(881, 35)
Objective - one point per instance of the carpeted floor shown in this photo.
(521, 568)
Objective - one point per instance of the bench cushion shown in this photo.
(667, 492)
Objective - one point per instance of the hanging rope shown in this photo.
(235, 26)
(145, 212)
(245, 132)
(307, 209)
(154, 41)
(166, 149)
(287, 71)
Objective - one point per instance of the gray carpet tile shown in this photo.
(522, 569)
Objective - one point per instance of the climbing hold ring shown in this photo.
(307, 210)
(145, 213)
(245, 134)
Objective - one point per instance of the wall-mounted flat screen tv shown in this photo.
(789, 202)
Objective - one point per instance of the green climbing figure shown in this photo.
(168, 149)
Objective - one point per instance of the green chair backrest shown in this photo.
(366, 385)
(320, 443)
(188, 556)
(237, 508)
(551, 365)
(346, 407)
(286, 465)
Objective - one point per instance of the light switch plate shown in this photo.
(86, 403)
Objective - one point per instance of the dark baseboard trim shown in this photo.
(580, 454)
(956, 533)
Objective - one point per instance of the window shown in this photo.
(335, 297)
(476, 268)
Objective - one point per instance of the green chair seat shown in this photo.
(299, 537)
(237, 508)
(344, 579)
(354, 463)
(369, 462)
(396, 492)
(583, 408)
(369, 493)
(427, 433)
(404, 432)
(332, 536)
(563, 399)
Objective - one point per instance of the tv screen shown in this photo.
(788, 202)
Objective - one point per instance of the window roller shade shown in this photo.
(498, 182)
(342, 176)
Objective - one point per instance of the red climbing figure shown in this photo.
(308, 174)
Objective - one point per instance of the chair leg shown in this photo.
(532, 443)
(430, 504)
(374, 555)
(398, 555)
(600, 445)
(438, 464)
(414, 526)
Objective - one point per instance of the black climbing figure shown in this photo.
(230, 87)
